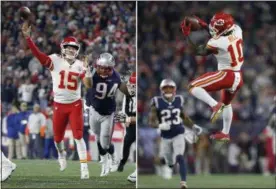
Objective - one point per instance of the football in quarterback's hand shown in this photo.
(25, 13)
(194, 23)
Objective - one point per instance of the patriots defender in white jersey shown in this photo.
(226, 44)
(102, 85)
(67, 73)
(167, 114)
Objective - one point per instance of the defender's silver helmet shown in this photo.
(106, 60)
(105, 64)
(167, 82)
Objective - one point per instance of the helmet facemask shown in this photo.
(70, 51)
(212, 31)
(104, 71)
(105, 64)
(70, 48)
(168, 88)
(220, 24)
(215, 33)
(168, 91)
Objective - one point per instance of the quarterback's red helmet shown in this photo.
(73, 42)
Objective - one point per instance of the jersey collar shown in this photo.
(168, 102)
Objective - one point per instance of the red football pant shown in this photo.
(68, 112)
(226, 80)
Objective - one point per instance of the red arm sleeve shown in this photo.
(42, 57)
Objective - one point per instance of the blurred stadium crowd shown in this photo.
(98, 26)
(163, 53)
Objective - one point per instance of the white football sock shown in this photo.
(60, 147)
(81, 147)
(227, 118)
(201, 94)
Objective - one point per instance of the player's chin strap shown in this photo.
(70, 60)
(224, 32)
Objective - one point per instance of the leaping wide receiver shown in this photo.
(227, 46)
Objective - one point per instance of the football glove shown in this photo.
(190, 136)
(121, 117)
(186, 30)
(197, 129)
(164, 126)
(201, 22)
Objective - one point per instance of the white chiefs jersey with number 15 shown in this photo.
(66, 79)
(229, 50)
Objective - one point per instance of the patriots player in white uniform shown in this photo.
(67, 74)
(102, 85)
(226, 44)
(167, 114)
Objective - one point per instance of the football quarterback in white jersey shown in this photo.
(67, 74)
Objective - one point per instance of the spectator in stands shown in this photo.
(49, 146)
(262, 158)
(23, 117)
(13, 125)
(203, 155)
(25, 92)
(35, 122)
(8, 93)
(233, 157)
(43, 91)
(247, 160)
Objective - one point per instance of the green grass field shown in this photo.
(46, 174)
(210, 181)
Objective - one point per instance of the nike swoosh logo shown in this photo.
(77, 104)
